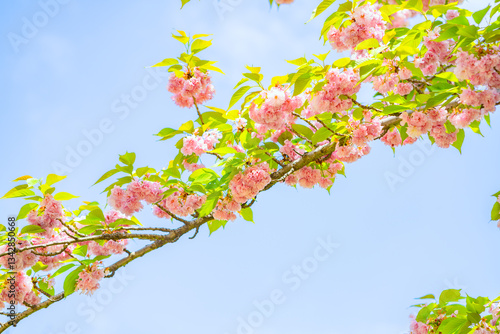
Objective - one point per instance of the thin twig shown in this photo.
(198, 111)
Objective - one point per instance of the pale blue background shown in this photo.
(431, 232)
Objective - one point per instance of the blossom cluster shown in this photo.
(18, 290)
(48, 216)
(438, 53)
(21, 260)
(109, 246)
(248, 184)
(179, 203)
(483, 327)
(194, 87)
(308, 177)
(88, 279)
(363, 133)
(128, 201)
(200, 144)
(329, 98)
(366, 22)
(392, 81)
(63, 253)
(226, 208)
(276, 111)
(481, 70)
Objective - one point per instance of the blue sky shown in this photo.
(394, 241)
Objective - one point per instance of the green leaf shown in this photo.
(13, 193)
(301, 83)
(298, 61)
(123, 222)
(187, 127)
(448, 76)
(450, 295)
(70, 281)
(414, 4)
(53, 178)
(23, 178)
(247, 214)
(107, 175)
(451, 325)
(32, 182)
(200, 45)
(63, 196)
(474, 126)
(62, 270)
(214, 225)
(45, 287)
(209, 205)
(322, 56)
(303, 130)
(321, 135)
(89, 229)
(128, 158)
(427, 297)
(167, 62)
(224, 150)
(183, 39)
(203, 175)
(322, 7)
(460, 140)
(238, 95)
(253, 69)
(25, 209)
(39, 266)
(96, 214)
(370, 43)
(468, 31)
(31, 229)
(424, 313)
(495, 212)
(142, 170)
(342, 62)
(81, 250)
(168, 133)
(479, 15)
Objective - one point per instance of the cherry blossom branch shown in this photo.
(185, 222)
(305, 120)
(53, 253)
(198, 111)
(362, 105)
(172, 237)
(71, 228)
(108, 236)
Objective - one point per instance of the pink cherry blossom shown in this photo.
(367, 22)
(226, 208)
(293, 152)
(276, 111)
(180, 203)
(194, 86)
(18, 261)
(392, 138)
(249, 183)
(451, 14)
(88, 279)
(48, 215)
(329, 100)
(192, 167)
(200, 144)
(22, 286)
